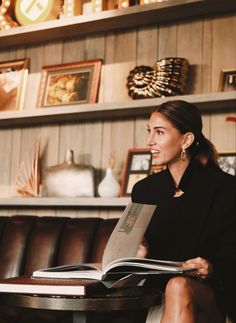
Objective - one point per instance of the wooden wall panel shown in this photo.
(140, 139)
(50, 138)
(36, 56)
(223, 47)
(147, 54)
(53, 53)
(118, 137)
(147, 46)
(168, 41)
(223, 56)
(223, 133)
(206, 66)
(73, 50)
(7, 55)
(120, 55)
(14, 158)
(94, 47)
(189, 45)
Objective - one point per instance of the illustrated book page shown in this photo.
(123, 242)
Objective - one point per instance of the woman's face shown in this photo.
(165, 141)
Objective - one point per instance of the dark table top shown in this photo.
(110, 300)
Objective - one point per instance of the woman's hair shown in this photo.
(185, 117)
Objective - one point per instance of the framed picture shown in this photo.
(71, 83)
(138, 166)
(13, 78)
(227, 162)
(227, 80)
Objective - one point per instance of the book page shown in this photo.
(128, 233)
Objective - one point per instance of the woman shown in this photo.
(194, 221)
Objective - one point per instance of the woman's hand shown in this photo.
(203, 267)
(143, 249)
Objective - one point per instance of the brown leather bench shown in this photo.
(28, 243)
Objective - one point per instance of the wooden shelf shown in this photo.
(208, 102)
(65, 202)
(136, 16)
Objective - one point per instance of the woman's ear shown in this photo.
(188, 140)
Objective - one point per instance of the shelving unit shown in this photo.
(66, 202)
(205, 102)
(111, 20)
(103, 22)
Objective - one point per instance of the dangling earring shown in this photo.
(183, 154)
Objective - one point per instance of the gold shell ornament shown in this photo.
(167, 77)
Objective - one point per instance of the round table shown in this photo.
(113, 300)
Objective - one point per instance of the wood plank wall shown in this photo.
(209, 44)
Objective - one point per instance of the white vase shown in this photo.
(109, 187)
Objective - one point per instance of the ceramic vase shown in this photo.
(109, 186)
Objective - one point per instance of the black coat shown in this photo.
(201, 222)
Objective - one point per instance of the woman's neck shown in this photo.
(177, 170)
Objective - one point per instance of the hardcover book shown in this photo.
(28, 285)
(119, 263)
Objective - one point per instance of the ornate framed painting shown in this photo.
(71, 83)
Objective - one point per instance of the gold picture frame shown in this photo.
(70, 83)
(13, 78)
(227, 80)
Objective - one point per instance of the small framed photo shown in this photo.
(13, 78)
(227, 80)
(227, 162)
(71, 83)
(138, 166)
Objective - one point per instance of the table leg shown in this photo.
(79, 317)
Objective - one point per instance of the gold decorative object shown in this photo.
(167, 77)
(6, 21)
(28, 177)
(178, 192)
(34, 11)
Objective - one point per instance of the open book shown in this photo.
(119, 258)
(117, 269)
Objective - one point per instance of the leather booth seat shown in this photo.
(28, 243)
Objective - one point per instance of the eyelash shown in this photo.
(159, 132)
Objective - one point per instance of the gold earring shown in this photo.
(183, 154)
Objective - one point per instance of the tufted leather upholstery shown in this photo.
(28, 243)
